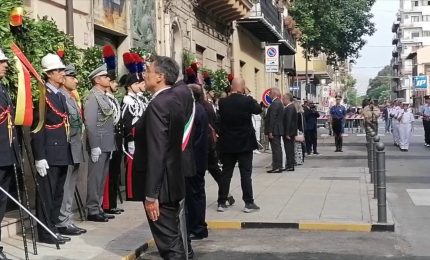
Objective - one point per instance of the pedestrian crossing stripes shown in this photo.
(420, 197)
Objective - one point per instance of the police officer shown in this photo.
(66, 225)
(425, 112)
(99, 122)
(51, 149)
(9, 150)
(110, 195)
(337, 113)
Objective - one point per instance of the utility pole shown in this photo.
(69, 18)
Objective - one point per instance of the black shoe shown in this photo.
(108, 216)
(97, 218)
(222, 207)
(275, 171)
(197, 236)
(230, 200)
(190, 254)
(112, 211)
(3, 256)
(251, 207)
(64, 238)
(69, 230)
(316, 153)
(290, 169)
(52, 241)
(83, 231)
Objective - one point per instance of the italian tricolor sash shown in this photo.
(188, 127)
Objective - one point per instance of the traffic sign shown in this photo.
(272, 58)
(266, 98)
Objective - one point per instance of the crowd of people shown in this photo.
(168, 130)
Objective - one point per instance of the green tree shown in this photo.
(333, 27)
(380, 86)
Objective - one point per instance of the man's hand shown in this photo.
(152, 209)
(95, 154)
(130, 146)
(41, 167)
(288, 137)
(270, 136)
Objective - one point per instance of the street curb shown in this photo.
(305, 225)
(138, 252)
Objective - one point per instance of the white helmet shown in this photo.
(2, 56)
(52, 62)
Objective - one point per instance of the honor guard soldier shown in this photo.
(406, 119)
(99, 122)
(9, 148)
(110, 196)
(132, 111)
(337, 113)
(51, 149)
(66, 225)
(425, 112)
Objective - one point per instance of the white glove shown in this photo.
(130, 146)
(41, 167)
(95, 154)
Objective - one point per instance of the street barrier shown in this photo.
(376, 164)
(376, 140)
(381, 184)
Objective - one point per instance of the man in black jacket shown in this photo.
(275, 129)
(158, 154)
(311, 136)
(9, 150)
(237, 142)
(290, 127)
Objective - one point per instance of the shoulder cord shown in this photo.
(64, 116)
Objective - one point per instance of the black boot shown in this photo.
(340, 143)
(336, 143)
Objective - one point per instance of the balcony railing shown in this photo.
(395, 26)
(395, 39)
(264, 21)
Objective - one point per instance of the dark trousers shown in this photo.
(426, 124)
(213, 166)
(195, 202)
(6, 174)
(311, 138)
(289, 152)
(51, 190)
(275, 144)
(245, 167)
(110, 199)
(167, 232)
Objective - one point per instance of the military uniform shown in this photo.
(65, 218)
(394, 114)
(405, 118)
(112, 182)
(52, 144)
(99, 122)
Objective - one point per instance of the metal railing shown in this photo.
(267, 10)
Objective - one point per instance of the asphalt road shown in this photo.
(411, 240)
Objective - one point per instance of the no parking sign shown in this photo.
(266, 98)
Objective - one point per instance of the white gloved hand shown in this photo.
(41, 167)
(130, 146)
(95, 154)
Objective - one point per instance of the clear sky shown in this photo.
(377, 52)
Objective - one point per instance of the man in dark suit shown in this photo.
(237, 142)
(52, 151)
(311, 136)
(9, 150)
(275, 129)
(158, 154)
(290, 127)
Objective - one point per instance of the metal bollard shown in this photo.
(376, 140)
(381, 187)
(371, 156)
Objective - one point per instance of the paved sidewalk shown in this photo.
(104, 241)
(306, 195)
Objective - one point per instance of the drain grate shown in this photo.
(340, 178)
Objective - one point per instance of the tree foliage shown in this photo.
(380, 86)
(334, 27)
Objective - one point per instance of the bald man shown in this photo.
(274, 129)
(237, 142)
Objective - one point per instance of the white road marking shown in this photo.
(420, 197)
